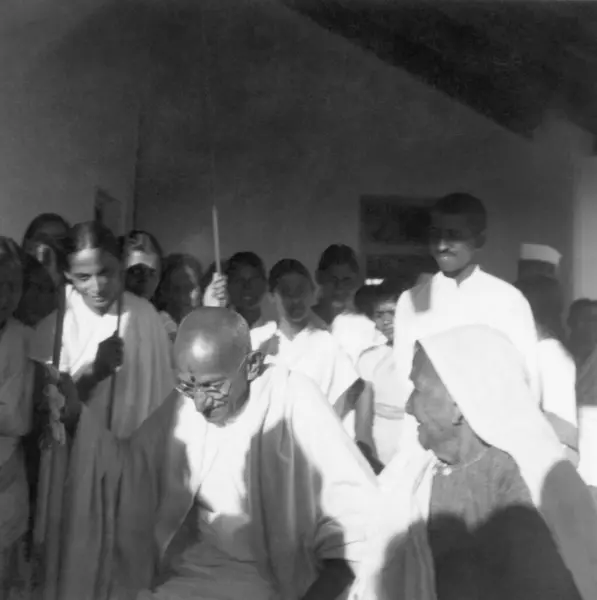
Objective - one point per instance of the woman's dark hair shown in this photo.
(141, 241)
(172, 263)
(338, 254)
(249, 259)
(47, 253)
(92, 235)
(467, 205)
(544, 294)
(42, 220)
(284, 267)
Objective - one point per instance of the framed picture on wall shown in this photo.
(394, 238)
(108, 211)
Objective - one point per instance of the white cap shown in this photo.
(540, 253)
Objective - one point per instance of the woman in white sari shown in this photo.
(299, 340)
(115, 348)
(15, 410)
(487, 506)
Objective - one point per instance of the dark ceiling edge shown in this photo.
(420, 61)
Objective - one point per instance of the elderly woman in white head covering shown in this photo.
(488, 506)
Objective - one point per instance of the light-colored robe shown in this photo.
(557, 379)
(439, 304)
(313, 352)
(307, 496)
(377, 367)
(16, 382)
(142, 383)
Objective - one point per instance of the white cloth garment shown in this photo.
(313, 352)
(377, 367)
(557, 380)
(586, 392)
(278, 491)
(487, 379)
(145, 378)
(440, 304)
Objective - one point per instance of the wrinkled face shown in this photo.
(338, 285)
(294, 297)
(433, 408)
(219, 387)
(39, 297)
(11, 284)
(452, 243)
(383, 316)
(182, 292)
(142, 281)
(246, 286)
(96, 274)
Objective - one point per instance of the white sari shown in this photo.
(313, 352)
(142, 384)
(16, 379)
(487, 379)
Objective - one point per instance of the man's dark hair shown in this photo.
(338, 254)
(248, 259)
(461, 203)
(284, 267)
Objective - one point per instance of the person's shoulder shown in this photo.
(496, 285)
(141, 307)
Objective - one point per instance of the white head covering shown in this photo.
(485, 376)
(540, 253)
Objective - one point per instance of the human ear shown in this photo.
(480, 240)
(254, 365)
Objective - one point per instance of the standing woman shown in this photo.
(180, 290)
(43, 279)
(97, 341)
(49, 224)
(143, 259)
(16, 379)
(106, 333)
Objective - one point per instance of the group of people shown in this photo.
(162, 437)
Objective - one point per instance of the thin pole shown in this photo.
(208, 122)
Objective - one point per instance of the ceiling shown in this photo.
(511, 61)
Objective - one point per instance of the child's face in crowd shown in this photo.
(338, 284)
(383, 316)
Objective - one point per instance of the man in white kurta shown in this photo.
(273, 494)
(461, 293)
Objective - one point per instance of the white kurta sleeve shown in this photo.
(557, 374)
(522, 331)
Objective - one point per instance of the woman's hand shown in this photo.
(109, 357)
(216, 293)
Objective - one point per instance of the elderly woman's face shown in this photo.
(433, 408)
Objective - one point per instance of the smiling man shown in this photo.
(461, 293)
(252, 459)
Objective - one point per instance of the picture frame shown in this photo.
(394, 238)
